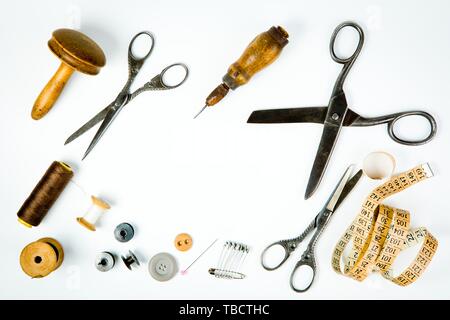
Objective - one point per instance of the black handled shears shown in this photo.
(337, 114)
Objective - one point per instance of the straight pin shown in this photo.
(184, 272)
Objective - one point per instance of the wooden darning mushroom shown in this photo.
(76, 52)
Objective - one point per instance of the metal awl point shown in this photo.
(200, 111)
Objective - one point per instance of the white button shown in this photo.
(163, 266)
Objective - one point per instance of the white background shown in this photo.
(217, 176)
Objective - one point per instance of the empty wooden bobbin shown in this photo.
(40, 258)
(98, 208)
(76, 52)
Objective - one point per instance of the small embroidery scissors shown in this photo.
(337, 114)
(344, 187)
(109, 113)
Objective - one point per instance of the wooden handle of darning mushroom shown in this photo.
(51, 91)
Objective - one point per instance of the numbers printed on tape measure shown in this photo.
(379, 233)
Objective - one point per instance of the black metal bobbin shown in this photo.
(130, 260)
(124, 232)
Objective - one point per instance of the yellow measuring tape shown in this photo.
(379, 233)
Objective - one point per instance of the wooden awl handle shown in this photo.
(260, 53)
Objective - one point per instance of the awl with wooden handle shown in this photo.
(261, 52)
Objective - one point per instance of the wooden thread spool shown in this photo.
(45, 194)
(40, 258)
(97, 209)
(76, 52)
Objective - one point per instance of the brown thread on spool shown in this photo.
(45, 194)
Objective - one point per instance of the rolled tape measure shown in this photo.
(379, 233)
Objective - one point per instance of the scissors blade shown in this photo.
(292, 115)
(338, 194)
(332, 126)
(88, 125)
(300, 115)
(348, 188)
(109, 118)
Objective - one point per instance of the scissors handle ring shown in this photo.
(307, 260)
(426, 115)
(287, 246)
(167, 86)
(130, 47)
(355, 54)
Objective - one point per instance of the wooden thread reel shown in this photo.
(40, 258)
(97, 209)
(45, 194)
(76, 52)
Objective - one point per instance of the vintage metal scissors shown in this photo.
(344, 187)
(109, 113)
(337, 114)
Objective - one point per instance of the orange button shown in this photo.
(183, 242)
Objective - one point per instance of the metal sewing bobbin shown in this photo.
(96, 210)
(104, 261)
(130, 260)
(124, 232)
(231, 260)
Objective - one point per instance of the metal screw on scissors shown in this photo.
(337, 114)
(109, 113)
(344, 187)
